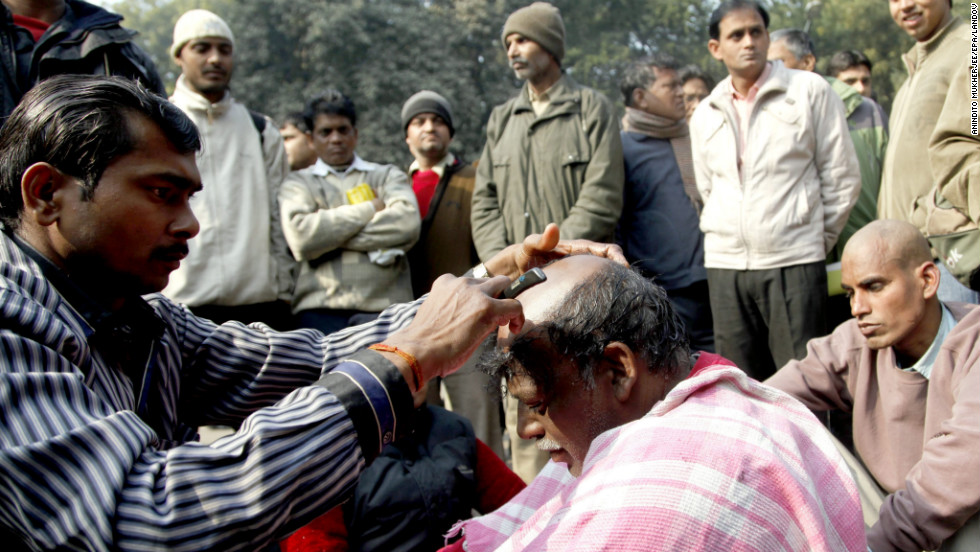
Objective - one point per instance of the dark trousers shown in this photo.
(276, 314)
(692, 305)
(764, 318)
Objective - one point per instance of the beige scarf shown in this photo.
(677, 132)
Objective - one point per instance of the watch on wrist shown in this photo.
(480, 271)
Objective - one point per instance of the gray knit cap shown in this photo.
(428, 101)
(541, 22)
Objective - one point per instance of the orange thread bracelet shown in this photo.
(411, 360)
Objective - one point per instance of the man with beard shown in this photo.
(238, 267)
(553, 154)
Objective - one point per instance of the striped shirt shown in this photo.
(96, 457)
(723, 463)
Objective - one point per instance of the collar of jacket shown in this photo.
(565, 98)
(778, 83)
(848, 94)
(921, 50)
(321, 168)
(196, 102)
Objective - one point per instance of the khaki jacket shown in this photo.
(565, 166)
(932, 113)
(334, 241)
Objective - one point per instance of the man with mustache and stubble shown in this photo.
(553, 154)
(239, 267)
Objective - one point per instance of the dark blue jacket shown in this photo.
(417, 488)
(658, 230)
(86, 40)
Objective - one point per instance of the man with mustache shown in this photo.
(443, 185)
(659, 231)
(553, 154)
(653, 449)
(102, 389)
(239, 267)
(907, 369)
(778, 175)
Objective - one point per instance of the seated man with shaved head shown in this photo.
(651, 450)
(906, 367)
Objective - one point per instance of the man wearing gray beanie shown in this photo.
(553, 154)
(443, 185)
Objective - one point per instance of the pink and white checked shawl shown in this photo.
(722, 463)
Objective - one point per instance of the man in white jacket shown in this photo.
(776, 168)
(239, 267)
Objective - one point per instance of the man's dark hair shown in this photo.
(296, 119)
(640, 74)
(615, 304)
(331, 102)
(80, 124)
(844, 60)
(797, 41)
(691, 72)
(714, 22)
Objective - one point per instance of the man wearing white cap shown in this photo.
(238, 267)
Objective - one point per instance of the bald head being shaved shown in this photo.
(599, 347)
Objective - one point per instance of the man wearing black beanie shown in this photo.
(443, 185)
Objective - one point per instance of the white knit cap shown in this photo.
(199, 24)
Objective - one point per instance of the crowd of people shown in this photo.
(651, 384)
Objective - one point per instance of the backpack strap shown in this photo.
(258, 120)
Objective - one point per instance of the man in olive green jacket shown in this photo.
(553, 152)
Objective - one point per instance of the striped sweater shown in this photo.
(97, 456)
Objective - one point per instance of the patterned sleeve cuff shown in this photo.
(376, 398)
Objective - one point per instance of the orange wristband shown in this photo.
(411, 360)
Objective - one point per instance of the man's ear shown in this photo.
(928, 274)
(42, 188)
(810, 62)
(638, 98)
(623, 366)
(713, 46)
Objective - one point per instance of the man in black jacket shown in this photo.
(43, 38)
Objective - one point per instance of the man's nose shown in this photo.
(185, 222)
(859, 305)
(512, 50)
(528, 424)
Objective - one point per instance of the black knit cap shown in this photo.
(428, 101)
